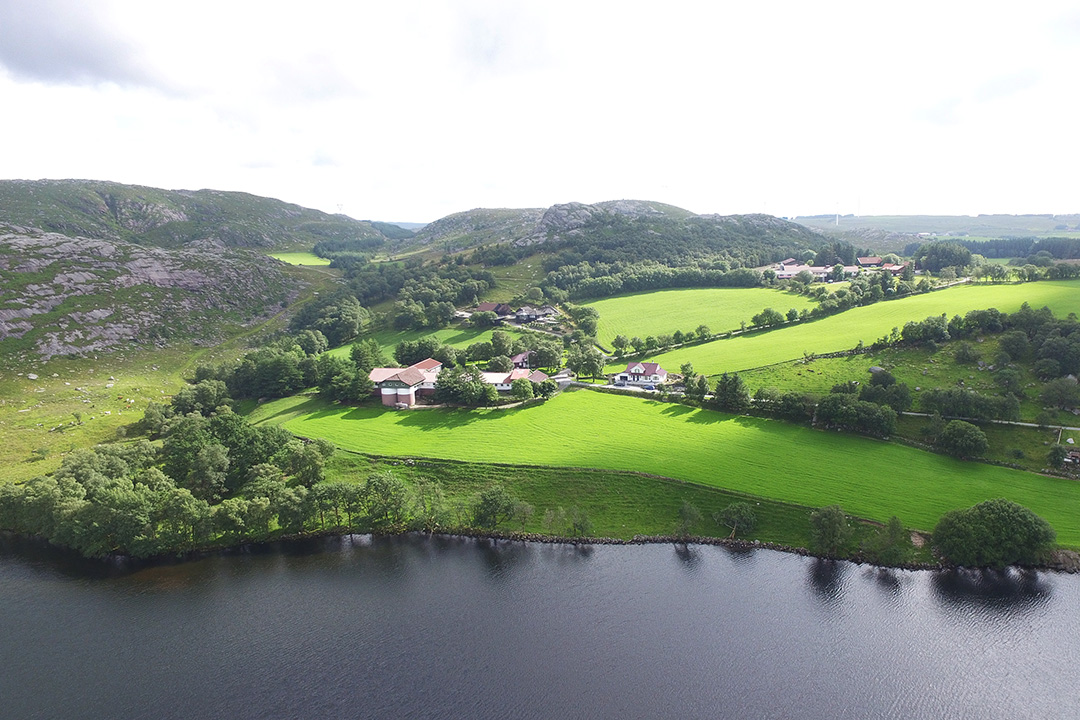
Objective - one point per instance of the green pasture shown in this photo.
(845, 330)
(775, 460)
(514, 280)
(618, 504)
(665, 311)
(920, 368)
(457, 337)
(300, 258)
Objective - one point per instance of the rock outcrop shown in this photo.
(72, 295)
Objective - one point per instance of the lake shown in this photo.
(414, 626)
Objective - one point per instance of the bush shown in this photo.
(962, 439)
(994, 533)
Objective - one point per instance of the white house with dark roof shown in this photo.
(642, 373)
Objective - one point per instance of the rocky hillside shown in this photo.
(582, 222)
(177, 218)
(63, 295)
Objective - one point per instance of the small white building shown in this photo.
(642, 373)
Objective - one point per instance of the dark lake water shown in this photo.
(454, 628)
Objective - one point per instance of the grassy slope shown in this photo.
(843, 331)
(666, 311)
(771, 459)
(456, 337)
(299, 258)
(618, 504)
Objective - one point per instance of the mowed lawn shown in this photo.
(845, 330)
(771, 459)
(665, 311)
(456, 337)
(300, 258)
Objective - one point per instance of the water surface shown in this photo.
(449, 627)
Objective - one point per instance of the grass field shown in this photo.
(770, 459)
(618, 504)
(844, 331)
(512, 280)
(665, 311)
(456, 337)
(300, 258)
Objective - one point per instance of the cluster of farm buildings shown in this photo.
(788, 269)
(400, 387)
(523, 315)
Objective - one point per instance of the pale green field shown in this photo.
(869, 478)
(845, 330)
(300, 258)
(456, 337)
(665, 311)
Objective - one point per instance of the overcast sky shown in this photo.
(414, 110)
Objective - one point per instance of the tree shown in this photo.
(936, 255)
(1056, 455)
(1062, 393)
(547, 355)
(829, 529)
(994, 533)
(484, 319)
(386, 497)
(521, 389)
(892, 545)
(502, 343)
(493, 506)
(689, 516)
(768, 318)
(962, 439)
(737, 516)
(206, 479)
(500, 363)
(620, 343)
(731, 394)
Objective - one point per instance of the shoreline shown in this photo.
(1064, 561)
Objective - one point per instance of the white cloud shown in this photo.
(412, 111)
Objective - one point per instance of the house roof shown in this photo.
(427, 364)
(647, 369)
(487, 307)
(409, 376)
(526, 310)
(377, 375)
(521, 357)
(870, 260)
(537, 377)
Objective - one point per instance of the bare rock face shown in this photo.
(568, 216)
(76, 295)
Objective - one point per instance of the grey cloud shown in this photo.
(65, 42)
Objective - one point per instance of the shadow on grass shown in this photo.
(311, 406)
(435, 419)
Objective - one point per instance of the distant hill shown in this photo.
(960, 225)
(642, 230)
(176, 218)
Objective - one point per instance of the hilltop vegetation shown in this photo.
(175, 218)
